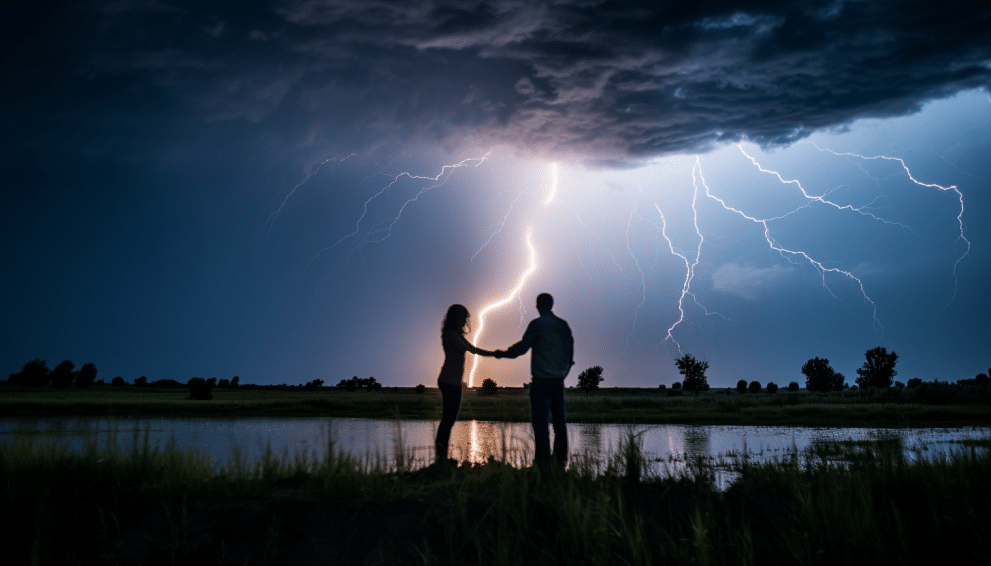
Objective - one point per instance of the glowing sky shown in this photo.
(298, 189)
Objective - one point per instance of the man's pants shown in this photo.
(547, 396)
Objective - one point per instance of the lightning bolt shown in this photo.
(502, 224)
(438, 180)
(820, 198)
(643, 281)
(513, 294)
(912, 178)
(272, 217)
(786, 253)
(686, 286)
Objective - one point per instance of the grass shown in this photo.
(633, 406)
(838, 503)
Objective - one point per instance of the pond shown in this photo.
(380, 442)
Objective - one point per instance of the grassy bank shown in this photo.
(635, 406)
(173, 507)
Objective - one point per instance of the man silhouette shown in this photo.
(553, 355)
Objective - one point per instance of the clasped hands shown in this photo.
(499, 354)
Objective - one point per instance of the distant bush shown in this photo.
(741, 386)
(199, 389)
(355, 383)
(754, 387)
(86, 375)
(62, 375)
(117, 381)
(420, 389)
(676, 385)
(793, 386)
(141, 381)
(772, 387)
(33, 374)
(662, 386)
(489, 387)
(914, 382)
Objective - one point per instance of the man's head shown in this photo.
(544, 303)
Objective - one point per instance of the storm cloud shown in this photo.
(608, 82)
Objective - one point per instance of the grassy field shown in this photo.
(845, 504)
(635, 406)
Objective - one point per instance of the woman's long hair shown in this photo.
(456, 320)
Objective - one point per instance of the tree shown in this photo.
(489, 387)
(117, 381)
(694, 372)
(793, 386)
(141, 381)
(820, 376)
(33, 374)
(86, 375)
(878, 370)
(62, 374)
(420, 389)
(676, 386)
(589, 379)
(772, 387)
(755, 387)
(234, 381)
(741, 386)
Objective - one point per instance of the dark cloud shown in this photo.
(607, 81)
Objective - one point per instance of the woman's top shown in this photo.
(455, 345)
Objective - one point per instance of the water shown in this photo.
(379, 441)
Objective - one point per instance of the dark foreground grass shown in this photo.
(633, 406)
(149, 506)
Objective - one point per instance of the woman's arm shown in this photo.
(471, 348)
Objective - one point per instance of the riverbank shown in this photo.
(171, 506)
(895, 408)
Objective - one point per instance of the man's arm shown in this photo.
(523, 346)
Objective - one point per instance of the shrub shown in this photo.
(772, 387)
(117, 381)
(199, 389)
(33, 374)
(741, 386)
(86, 375)
(141, 381)
(754, 387)
(420, 389)
(489, 387)
(793, 386)
(676, 385)
(62, 374)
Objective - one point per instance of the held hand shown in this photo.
(499, 354)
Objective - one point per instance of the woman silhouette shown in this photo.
(452, 335)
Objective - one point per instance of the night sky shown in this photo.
(297, 190)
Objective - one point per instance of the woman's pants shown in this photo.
(452, 404)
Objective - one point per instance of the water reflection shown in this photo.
(389, 441)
